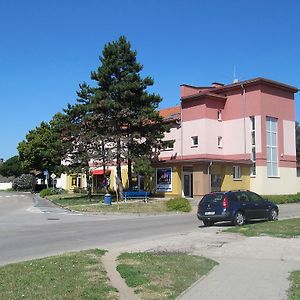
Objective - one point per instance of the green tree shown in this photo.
(131, 115)
(43, 147)
(12, 167)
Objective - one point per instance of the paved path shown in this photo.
(249, 267)
(110, 264)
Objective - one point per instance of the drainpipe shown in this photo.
(244, 112)
(209, 177)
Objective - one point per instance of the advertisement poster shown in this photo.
(164, 180)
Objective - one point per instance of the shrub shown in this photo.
(179, 204)
(280, 199)
(23, 183)
(51, 191)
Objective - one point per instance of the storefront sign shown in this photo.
(164, 180)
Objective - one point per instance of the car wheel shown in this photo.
(208, 223)
(238, 219)
(273, 215)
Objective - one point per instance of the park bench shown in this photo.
(135, 195)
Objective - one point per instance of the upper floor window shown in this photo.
(237, 173)
(219, 115)
(168, 145)
(220, 142)
(195, 141)
(272, 146)
(253, 146)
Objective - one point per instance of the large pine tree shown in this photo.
(118, 114)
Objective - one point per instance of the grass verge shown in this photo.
(84, 204)
(282, 199)
(162, 275)
(78, 275)
(294, 291)
(284, 229)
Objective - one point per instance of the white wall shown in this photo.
(5, 185)
(287, 183)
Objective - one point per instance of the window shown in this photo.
(236, 173)
(255, 197)
(194, 141)
(220, 144)
(168, 145)
(272, 147)
(253, 147)
(219, 115)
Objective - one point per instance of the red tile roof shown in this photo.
(170, 111)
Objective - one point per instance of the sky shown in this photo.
(49, 47)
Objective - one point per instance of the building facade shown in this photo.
(225, 137)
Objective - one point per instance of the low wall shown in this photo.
(5, 185)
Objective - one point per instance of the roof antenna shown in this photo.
(235, 80)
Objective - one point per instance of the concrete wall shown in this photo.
(5, 185)
(200, 180)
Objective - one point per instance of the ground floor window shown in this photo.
(236, 173)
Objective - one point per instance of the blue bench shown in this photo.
(136, 195)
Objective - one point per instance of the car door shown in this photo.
(246, 204)
(260, 206)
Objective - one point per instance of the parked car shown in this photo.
(235, 206)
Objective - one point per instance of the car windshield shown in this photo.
(215, 197)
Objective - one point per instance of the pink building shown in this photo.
(235, 136)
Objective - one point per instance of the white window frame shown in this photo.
(253, 145)
(195, 141)
(220, 142)
(219, 114)
(272, 146)
(169, 148)
(237, 173)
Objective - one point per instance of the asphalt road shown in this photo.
(32, 228)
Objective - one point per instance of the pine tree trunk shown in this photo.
(88, 184)
(119, 173)
(130, 173)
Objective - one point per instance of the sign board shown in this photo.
(164, 179)
(53, 176)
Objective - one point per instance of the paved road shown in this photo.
(250, 268)
(30, 228)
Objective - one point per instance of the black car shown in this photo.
(235, 206)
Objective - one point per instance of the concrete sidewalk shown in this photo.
(237, 279)
(249, 268)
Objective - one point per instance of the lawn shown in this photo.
(284, 228)
(84, 204)
(82, 275)
(70, 276)
(162, 275)
(294, 292)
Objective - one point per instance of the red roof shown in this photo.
(167, 112)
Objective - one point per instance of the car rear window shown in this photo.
(215, 197)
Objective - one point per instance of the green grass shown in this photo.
(70, 276)
(162, 275)
(294, 291)
(282, 199)
(284, 228)
(84, 204)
